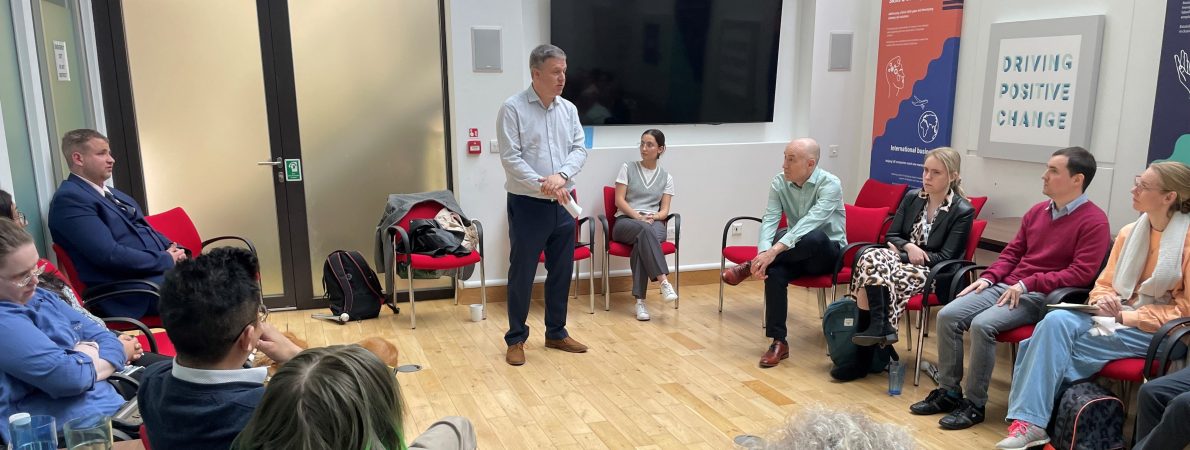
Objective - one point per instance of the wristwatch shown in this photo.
(564, 176)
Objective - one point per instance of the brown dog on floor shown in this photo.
(382, 348)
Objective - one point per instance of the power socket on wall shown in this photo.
(493, 146)
(834, 148)
(737, 229)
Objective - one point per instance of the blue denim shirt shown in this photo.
(41, 373)
(536, 142)
(818, 204)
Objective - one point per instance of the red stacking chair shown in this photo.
(1060, 295)
(877, 194)
(582, 250)
(929, 297)
(403, 254)
(864, 227)
(156, 342)
(176, 225)
(1167, 346)
(977, 203)
(738, 254)
(607, 221)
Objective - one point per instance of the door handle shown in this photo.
(275, 163)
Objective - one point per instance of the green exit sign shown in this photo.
(293, 170)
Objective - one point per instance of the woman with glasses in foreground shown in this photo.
(55, 359)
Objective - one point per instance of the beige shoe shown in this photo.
(516, 354)
(567, 344)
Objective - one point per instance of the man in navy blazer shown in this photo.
(103, 230)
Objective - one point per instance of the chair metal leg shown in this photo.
(1012, 367)
(923, 320)
(909, 332)
(607, 299)
(483, 289)
(591, 281)
(412, 305)
(722, 268)
(574, 274)
(821, 303)
(458, 282)
(677, 276)
(1126, 396)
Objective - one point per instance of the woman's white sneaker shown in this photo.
(668, 292)
(642, 313)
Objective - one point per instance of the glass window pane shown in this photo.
(198, 87)
(369, 97)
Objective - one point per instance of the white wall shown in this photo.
(720, 171)
(1123, 108)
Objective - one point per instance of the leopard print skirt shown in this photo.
(883, 267)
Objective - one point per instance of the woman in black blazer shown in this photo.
(931, 225)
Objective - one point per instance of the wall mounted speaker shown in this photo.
(485, 49)
(840, 51)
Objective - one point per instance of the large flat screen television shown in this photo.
(669, 61)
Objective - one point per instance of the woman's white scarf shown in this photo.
(1168, 272)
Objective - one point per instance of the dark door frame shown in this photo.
(276, 49)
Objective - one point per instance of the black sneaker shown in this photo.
(965, 416)
(936, 402)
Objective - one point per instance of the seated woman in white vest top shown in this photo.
(643, 193)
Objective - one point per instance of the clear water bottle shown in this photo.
(28, 432)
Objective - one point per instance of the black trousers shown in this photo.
(814, 254)
(1164, 411)
(535, 225)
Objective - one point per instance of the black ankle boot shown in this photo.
(878, 332)
(860, 367)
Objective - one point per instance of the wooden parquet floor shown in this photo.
(686, 379)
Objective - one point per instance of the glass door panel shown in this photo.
(368, 78)
(200, 110)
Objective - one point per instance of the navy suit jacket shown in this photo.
(106, 245)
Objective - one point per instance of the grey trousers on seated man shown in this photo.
(978, 312)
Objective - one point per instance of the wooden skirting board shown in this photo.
(618, 284)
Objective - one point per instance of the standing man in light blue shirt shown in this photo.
(541, 148)
(812, 200)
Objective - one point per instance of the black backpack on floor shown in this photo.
(351, 288)
(1088, 417)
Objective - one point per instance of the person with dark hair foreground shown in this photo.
(340, 397)
(212, 310)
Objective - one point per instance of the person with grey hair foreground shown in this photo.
(819, 427)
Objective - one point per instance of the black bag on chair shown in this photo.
(431, 239)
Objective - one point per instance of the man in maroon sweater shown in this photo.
(1061, 242)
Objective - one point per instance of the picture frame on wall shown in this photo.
(1041, 82)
